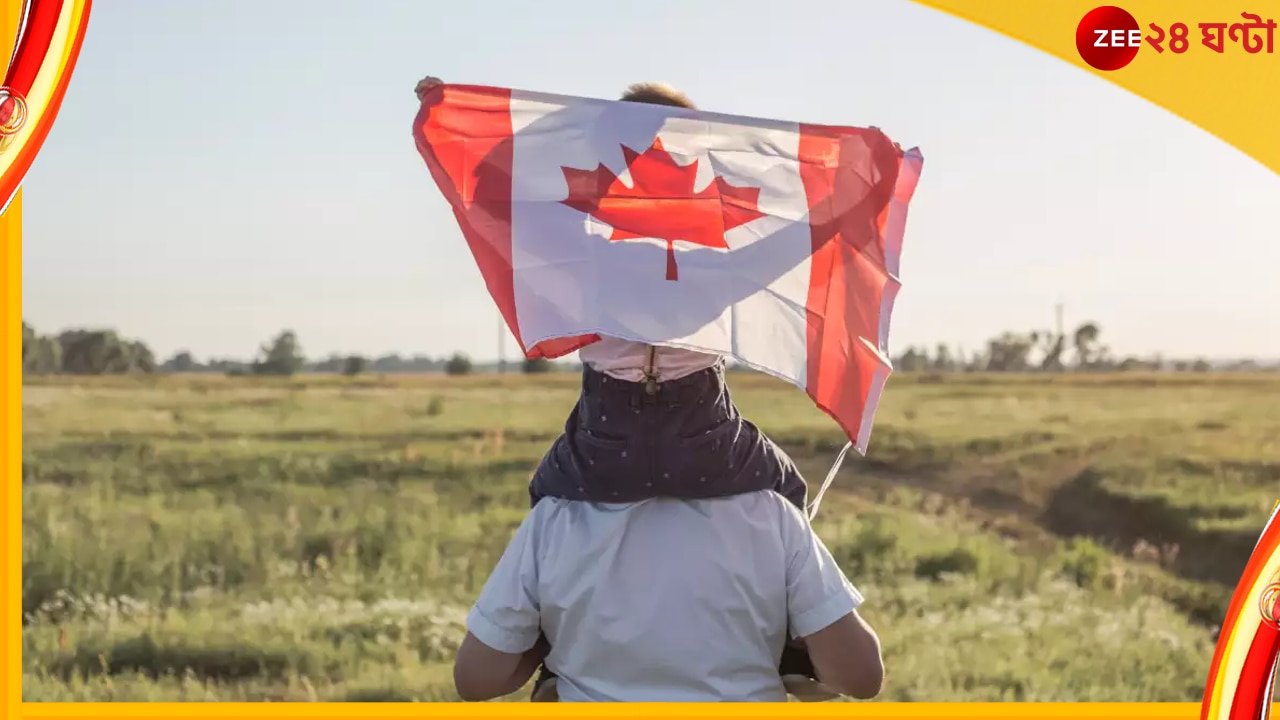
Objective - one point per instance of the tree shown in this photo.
(140, 358)
(913, 360)
(1086, 344)
(1055, 346)
(181, 362)
(1130, 364)
(459, 364)
(103, 352)
(332, 364)
(1009, 353)
(354, 365)
(282, 356)
(45, 357)
(227, 366)
(942, 360)
(537, 366)
(40, 355)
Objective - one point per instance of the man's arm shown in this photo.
(482, 673)
(822, 608)
(846, 656)
(502, 650)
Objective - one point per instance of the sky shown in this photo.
(222, 170)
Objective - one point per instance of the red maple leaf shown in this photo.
(661, 203)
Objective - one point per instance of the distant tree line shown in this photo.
(104, 352)
(1046, 351)
(84, 352)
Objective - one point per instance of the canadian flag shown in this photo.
(774, 243)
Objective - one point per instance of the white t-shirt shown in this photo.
(663, 600)
(625, 360)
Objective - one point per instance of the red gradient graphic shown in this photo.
(1241, 679)
(13, 111)
(50, 33)
(1108, 38)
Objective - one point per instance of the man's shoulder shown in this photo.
(771, 501)
(756, 508)
(755, 503)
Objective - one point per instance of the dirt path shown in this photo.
(1065, 501)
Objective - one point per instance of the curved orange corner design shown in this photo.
(46, 42)
(1243, 675)
(1231, 95)
(1227, 95)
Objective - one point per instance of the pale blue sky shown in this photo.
(220, 170)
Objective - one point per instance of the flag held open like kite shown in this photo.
(774, 243)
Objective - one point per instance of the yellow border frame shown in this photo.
(1190, 85)
(11, 456)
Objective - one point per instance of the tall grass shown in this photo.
(321, 539)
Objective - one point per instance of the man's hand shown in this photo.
(425, 85)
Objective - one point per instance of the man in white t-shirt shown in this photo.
(692, 513)
(666, 600)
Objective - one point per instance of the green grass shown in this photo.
(1018, 538)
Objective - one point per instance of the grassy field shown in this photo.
(1017, 538)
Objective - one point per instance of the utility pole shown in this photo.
(502, 345)
(1058, 311)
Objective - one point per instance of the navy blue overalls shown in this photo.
(684, 438)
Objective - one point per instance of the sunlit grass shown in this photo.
(205, 539)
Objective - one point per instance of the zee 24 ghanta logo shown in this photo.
(1109, 38)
